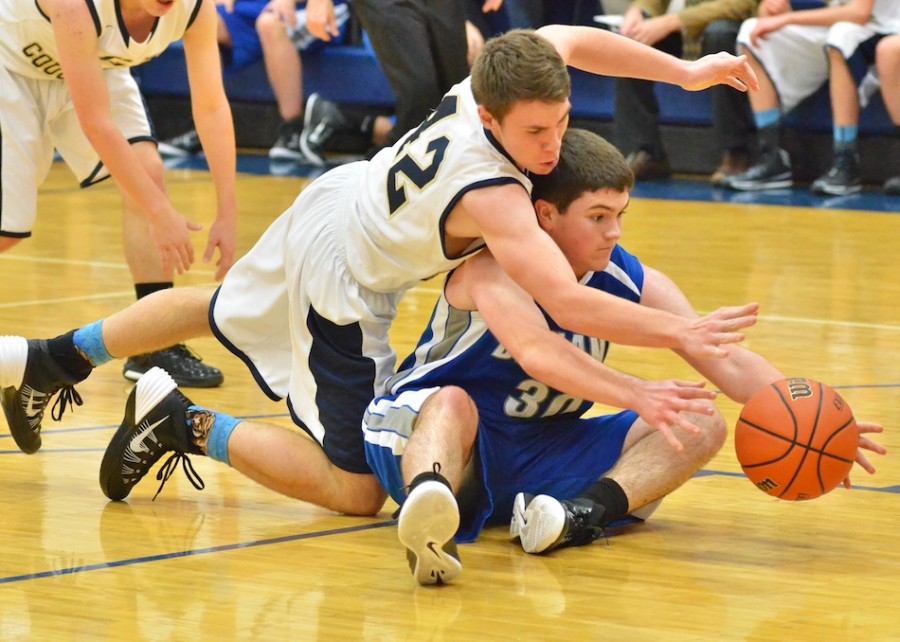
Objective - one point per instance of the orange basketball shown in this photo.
(796, 439)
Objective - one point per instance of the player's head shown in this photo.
(522, 88)
(581, 202)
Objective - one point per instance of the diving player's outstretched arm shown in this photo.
(602, 52)
(505, 219)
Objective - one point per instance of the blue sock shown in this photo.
(89, 341)
(219, 434)
(845, 137)
(767, 117)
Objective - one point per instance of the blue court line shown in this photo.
(192, 553)
(293, 538)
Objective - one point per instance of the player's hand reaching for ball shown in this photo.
(865, 443)
(170, 232)
(706, 335)
(664, 404)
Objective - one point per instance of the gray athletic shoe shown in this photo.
(843, 178)
(428, 521)
(773, 171)
(321, 120)
(543, 523)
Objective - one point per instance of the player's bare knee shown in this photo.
(269, 26)
(8, 242)
(452, 401)
(713, 433)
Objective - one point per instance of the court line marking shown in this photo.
(99, 566)
(192, 553)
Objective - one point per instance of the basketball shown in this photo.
(796, 439)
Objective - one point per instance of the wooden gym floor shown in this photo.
(720, 560)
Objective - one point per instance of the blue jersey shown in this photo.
(458, 349)
(531, 438)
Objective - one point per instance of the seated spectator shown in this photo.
(786, 52)
(328, 125)
(689, 30)
(844, 176)
(273, 31)
(420, 44)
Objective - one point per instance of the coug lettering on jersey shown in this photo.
(43, 61)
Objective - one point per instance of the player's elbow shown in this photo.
(532, 358)
(559, 36)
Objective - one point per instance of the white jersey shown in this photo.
(395, 233)
(28, 47)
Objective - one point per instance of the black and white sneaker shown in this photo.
(287, 147)
(186, 144)
(185, 367)
(157, 420)
(29, 378)
(843, 178)
(428, 521)
(892, 186)
(321, 119)
(773, 171)
(543, 523)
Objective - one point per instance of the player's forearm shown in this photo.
(557, 363)
(125, 168)
(602, 52)
(216, 132)
(596, 313)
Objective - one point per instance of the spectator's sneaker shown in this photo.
(29, 377)
(647, 168)
(733, 163)
(843, 178)
(187, 144)
(892, 186)
(157, 420)
(287, 147)
(428, 521)
(322, 118)
(772, 172)
(543, 523)
(185, 367)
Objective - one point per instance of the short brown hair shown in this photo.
(587, 163)
(518, 66)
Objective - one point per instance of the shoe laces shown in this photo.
(171, 465)
(68, 398)
(581, 529)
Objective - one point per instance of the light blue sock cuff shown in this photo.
(89, 340)
(845, 135)
(219, 434)
(766, 118)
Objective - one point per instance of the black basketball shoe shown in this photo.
(773, 171)
(428, 521)
(543, 523)
(843, 178)
(157, 420)
(184, 366)
(29, 378)
(321, 120)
